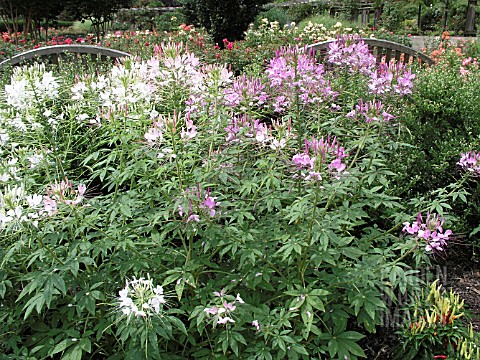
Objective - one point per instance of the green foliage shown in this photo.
(393, 36)
(84, 27)
(223, 19)
(443, 123)
(272, 15)
(251, 259)
(396, 13)
(300, 12)
(134, 19)
(99, 12)
(169, 21)
(328, 22)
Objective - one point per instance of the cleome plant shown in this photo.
(166, 208)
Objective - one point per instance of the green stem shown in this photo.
(50, 251)
(302, 259)
(360, 147)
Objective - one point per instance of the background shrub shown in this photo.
(223, 19)
(443, 122)
(273, 15)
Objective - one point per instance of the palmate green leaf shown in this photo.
(178, 324)
(474, 231)
(179, 287)
(3, 287)
(36, 281)
(286, 250)
(300, 349)
(73, 354)
(344, 345)
(85, 344)
(48, 292)
(278, 341)
(177, 273)
(307, 316)
(59, 283)
(62, 346)
(36, 302)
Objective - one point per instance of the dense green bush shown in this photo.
(443, 120)
(396, 13)
(223, 19)
(170, 21)
(299, 12)
(272, 15)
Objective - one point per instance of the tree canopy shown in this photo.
(222, 18)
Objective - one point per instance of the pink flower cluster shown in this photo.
(371, 111)
(190, 130)
(431, 231)
(470, 162)
(466, 64)
(223, 309)
(295, 75)
(241, 128)
(351, 52)
(318, 152)
(62, 193)
(197, 202)
(228, 44)
(391, 78)
(245, 93)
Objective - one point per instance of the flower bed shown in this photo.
(167, 208)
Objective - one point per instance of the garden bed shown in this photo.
(165, 207)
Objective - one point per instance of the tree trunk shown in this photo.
(470, 26)
(15, 25)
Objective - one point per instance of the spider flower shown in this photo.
(470, 162)
(140, 298)
(429, 231)
(224, 307)
(318, 152)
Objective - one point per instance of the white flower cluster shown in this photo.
(314, 32)
(270, 29)
(31, 85)
(204, 95)
(136, 85)
(140, 298)
(17, 207)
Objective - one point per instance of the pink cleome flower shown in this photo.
(470, 162)
(431, 231)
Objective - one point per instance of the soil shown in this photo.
(460, 272)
